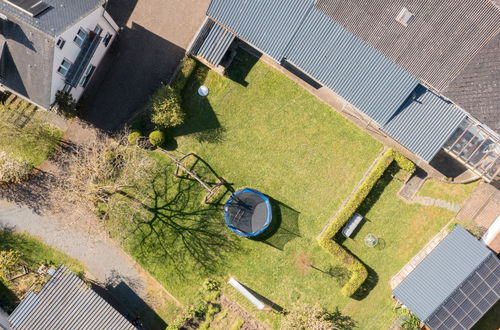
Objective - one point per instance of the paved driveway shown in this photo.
(153, 40)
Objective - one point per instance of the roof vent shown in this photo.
(405, 17)
(30, 7)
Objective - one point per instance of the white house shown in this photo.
(52, 45)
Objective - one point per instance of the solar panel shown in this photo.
(467, 322)
(30, 7)
(483, 305)
(492, 262)
(475, 314)
(484, 271)
(492, 280)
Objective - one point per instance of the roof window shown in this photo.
(405, 17)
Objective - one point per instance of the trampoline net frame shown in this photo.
(245, 209)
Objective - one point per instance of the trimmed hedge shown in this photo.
(326, 241)
(187, 67)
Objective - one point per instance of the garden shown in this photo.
(257, 128)
(26, 138)
(22, 259)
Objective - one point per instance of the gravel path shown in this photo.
(105, 262)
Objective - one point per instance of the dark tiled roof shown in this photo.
(27, 61)
(477, 87)
(66, 302)
(54, 21)
(437, 44)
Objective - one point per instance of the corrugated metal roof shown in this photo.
(451, 262)
(425, 124)
(215, 44)
(267, 24)
(349, 66)
(66, 302)
(54, 21)
(442, 37)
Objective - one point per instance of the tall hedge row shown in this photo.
(326, 240)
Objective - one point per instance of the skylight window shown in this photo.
(405, 17)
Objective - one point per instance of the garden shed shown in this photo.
(455, 285)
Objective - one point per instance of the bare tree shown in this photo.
(96, 169)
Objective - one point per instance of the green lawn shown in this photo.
(33, 143)
(34, 253)
(259, 129)
(447, 191)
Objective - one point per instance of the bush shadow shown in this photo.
(201, 120)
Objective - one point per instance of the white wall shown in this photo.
(71, 50)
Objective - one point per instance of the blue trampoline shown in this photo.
(248, 212)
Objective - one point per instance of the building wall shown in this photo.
(71, 50)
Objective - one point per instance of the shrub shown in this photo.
(403, 162)
(134, 137)
(165, 107)
(156, 138)
(211, 285)
(66, 104)
(12, 170)
(357, 269)
(9, 260)
(187, 67)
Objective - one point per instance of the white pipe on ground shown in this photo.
(253, 299)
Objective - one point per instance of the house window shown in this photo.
(64, 67)
(107, 39)
(86, 77)
(60, 43)
(67, 88)
(98, 30)
(80, 37)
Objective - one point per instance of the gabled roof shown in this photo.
(455, 285)
(439, 41)
(66, 302)
(424, 124)
(61, 15)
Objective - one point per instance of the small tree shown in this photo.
(133, 137)
(165, 107)
(306, 317)
(9, 260)
(12, 170)
(66, 104)
(157, 138)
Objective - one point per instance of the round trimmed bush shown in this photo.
(134, 137)
(156, 138)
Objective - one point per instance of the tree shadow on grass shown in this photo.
(284, 226)
(169, 224)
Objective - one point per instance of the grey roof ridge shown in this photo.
(56, 34)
